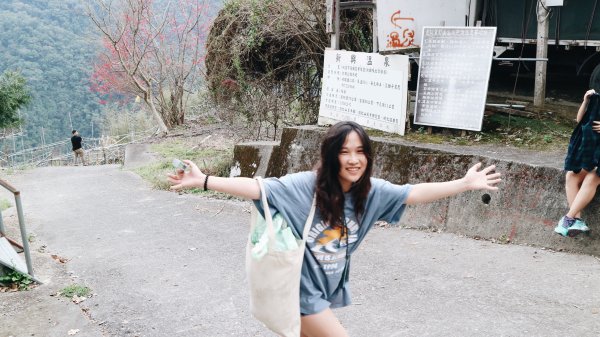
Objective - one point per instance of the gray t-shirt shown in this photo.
(324, 281)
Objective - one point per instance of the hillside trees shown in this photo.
(14, 94)
(152, 52)
(49, 43)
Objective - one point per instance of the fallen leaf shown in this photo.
(59, 259)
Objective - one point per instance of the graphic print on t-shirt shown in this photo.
(329, 246)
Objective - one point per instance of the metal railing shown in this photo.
(24, 239)
(103, 150)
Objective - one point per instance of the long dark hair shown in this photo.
(330, 197)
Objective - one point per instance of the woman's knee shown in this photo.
(323, 324)
(592, 179)
(578, 177)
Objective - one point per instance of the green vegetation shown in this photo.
(14, 279)
(210, 160)
(75, 289)
(5, 204)
(520, 132)
(272, 77)
(51, 43)
(13, 95)
(503, 239)
(530, 133)
(55, 46)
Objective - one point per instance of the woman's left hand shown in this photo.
(486, 179)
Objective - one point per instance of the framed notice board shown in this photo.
(454, 71)
(367, 88)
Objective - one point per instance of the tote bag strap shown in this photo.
(309, 220)
(269, 219)
(266, 209)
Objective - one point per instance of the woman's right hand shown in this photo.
(588, 93)
(182, 179)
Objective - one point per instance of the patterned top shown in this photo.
(584, 146)
(324, 281)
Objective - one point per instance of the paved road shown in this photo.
(163, 264)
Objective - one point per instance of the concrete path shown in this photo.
(163, 264)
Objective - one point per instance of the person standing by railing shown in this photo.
(77, 148)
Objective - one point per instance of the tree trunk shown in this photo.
(161, 124)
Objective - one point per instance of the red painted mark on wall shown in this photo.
(523, 202)
(396, 18)
(406, 27)
(513, 232)
(441, 216)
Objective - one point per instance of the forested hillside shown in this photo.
(52, 43)
(55, 46)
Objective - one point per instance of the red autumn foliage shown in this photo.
(152, 51)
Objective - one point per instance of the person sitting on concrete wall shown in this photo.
(582, 177)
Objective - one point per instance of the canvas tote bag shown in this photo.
(274, 279)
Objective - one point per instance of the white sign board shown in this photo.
(454, 72)
(399, 23)
(9, 258)
(369, 89)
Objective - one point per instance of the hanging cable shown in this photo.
(544, 6)
(468, 23)
(484, 13)
(557, 30)
(589, 28)
(495, 14)
(537, 11)
(524, 27)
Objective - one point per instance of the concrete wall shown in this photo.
(525, 210)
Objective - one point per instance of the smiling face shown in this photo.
(353, 161)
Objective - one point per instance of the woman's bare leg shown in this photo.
(323, 324)
(573, 183)
(585, 195)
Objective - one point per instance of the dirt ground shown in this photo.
(43, 305)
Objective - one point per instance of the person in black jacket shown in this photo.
(77, 148)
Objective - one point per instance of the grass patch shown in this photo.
(531, 133)
(5, 204)
(213, 161)
(498, 129)
(75, 289)
(176, 148)
(156, 174)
